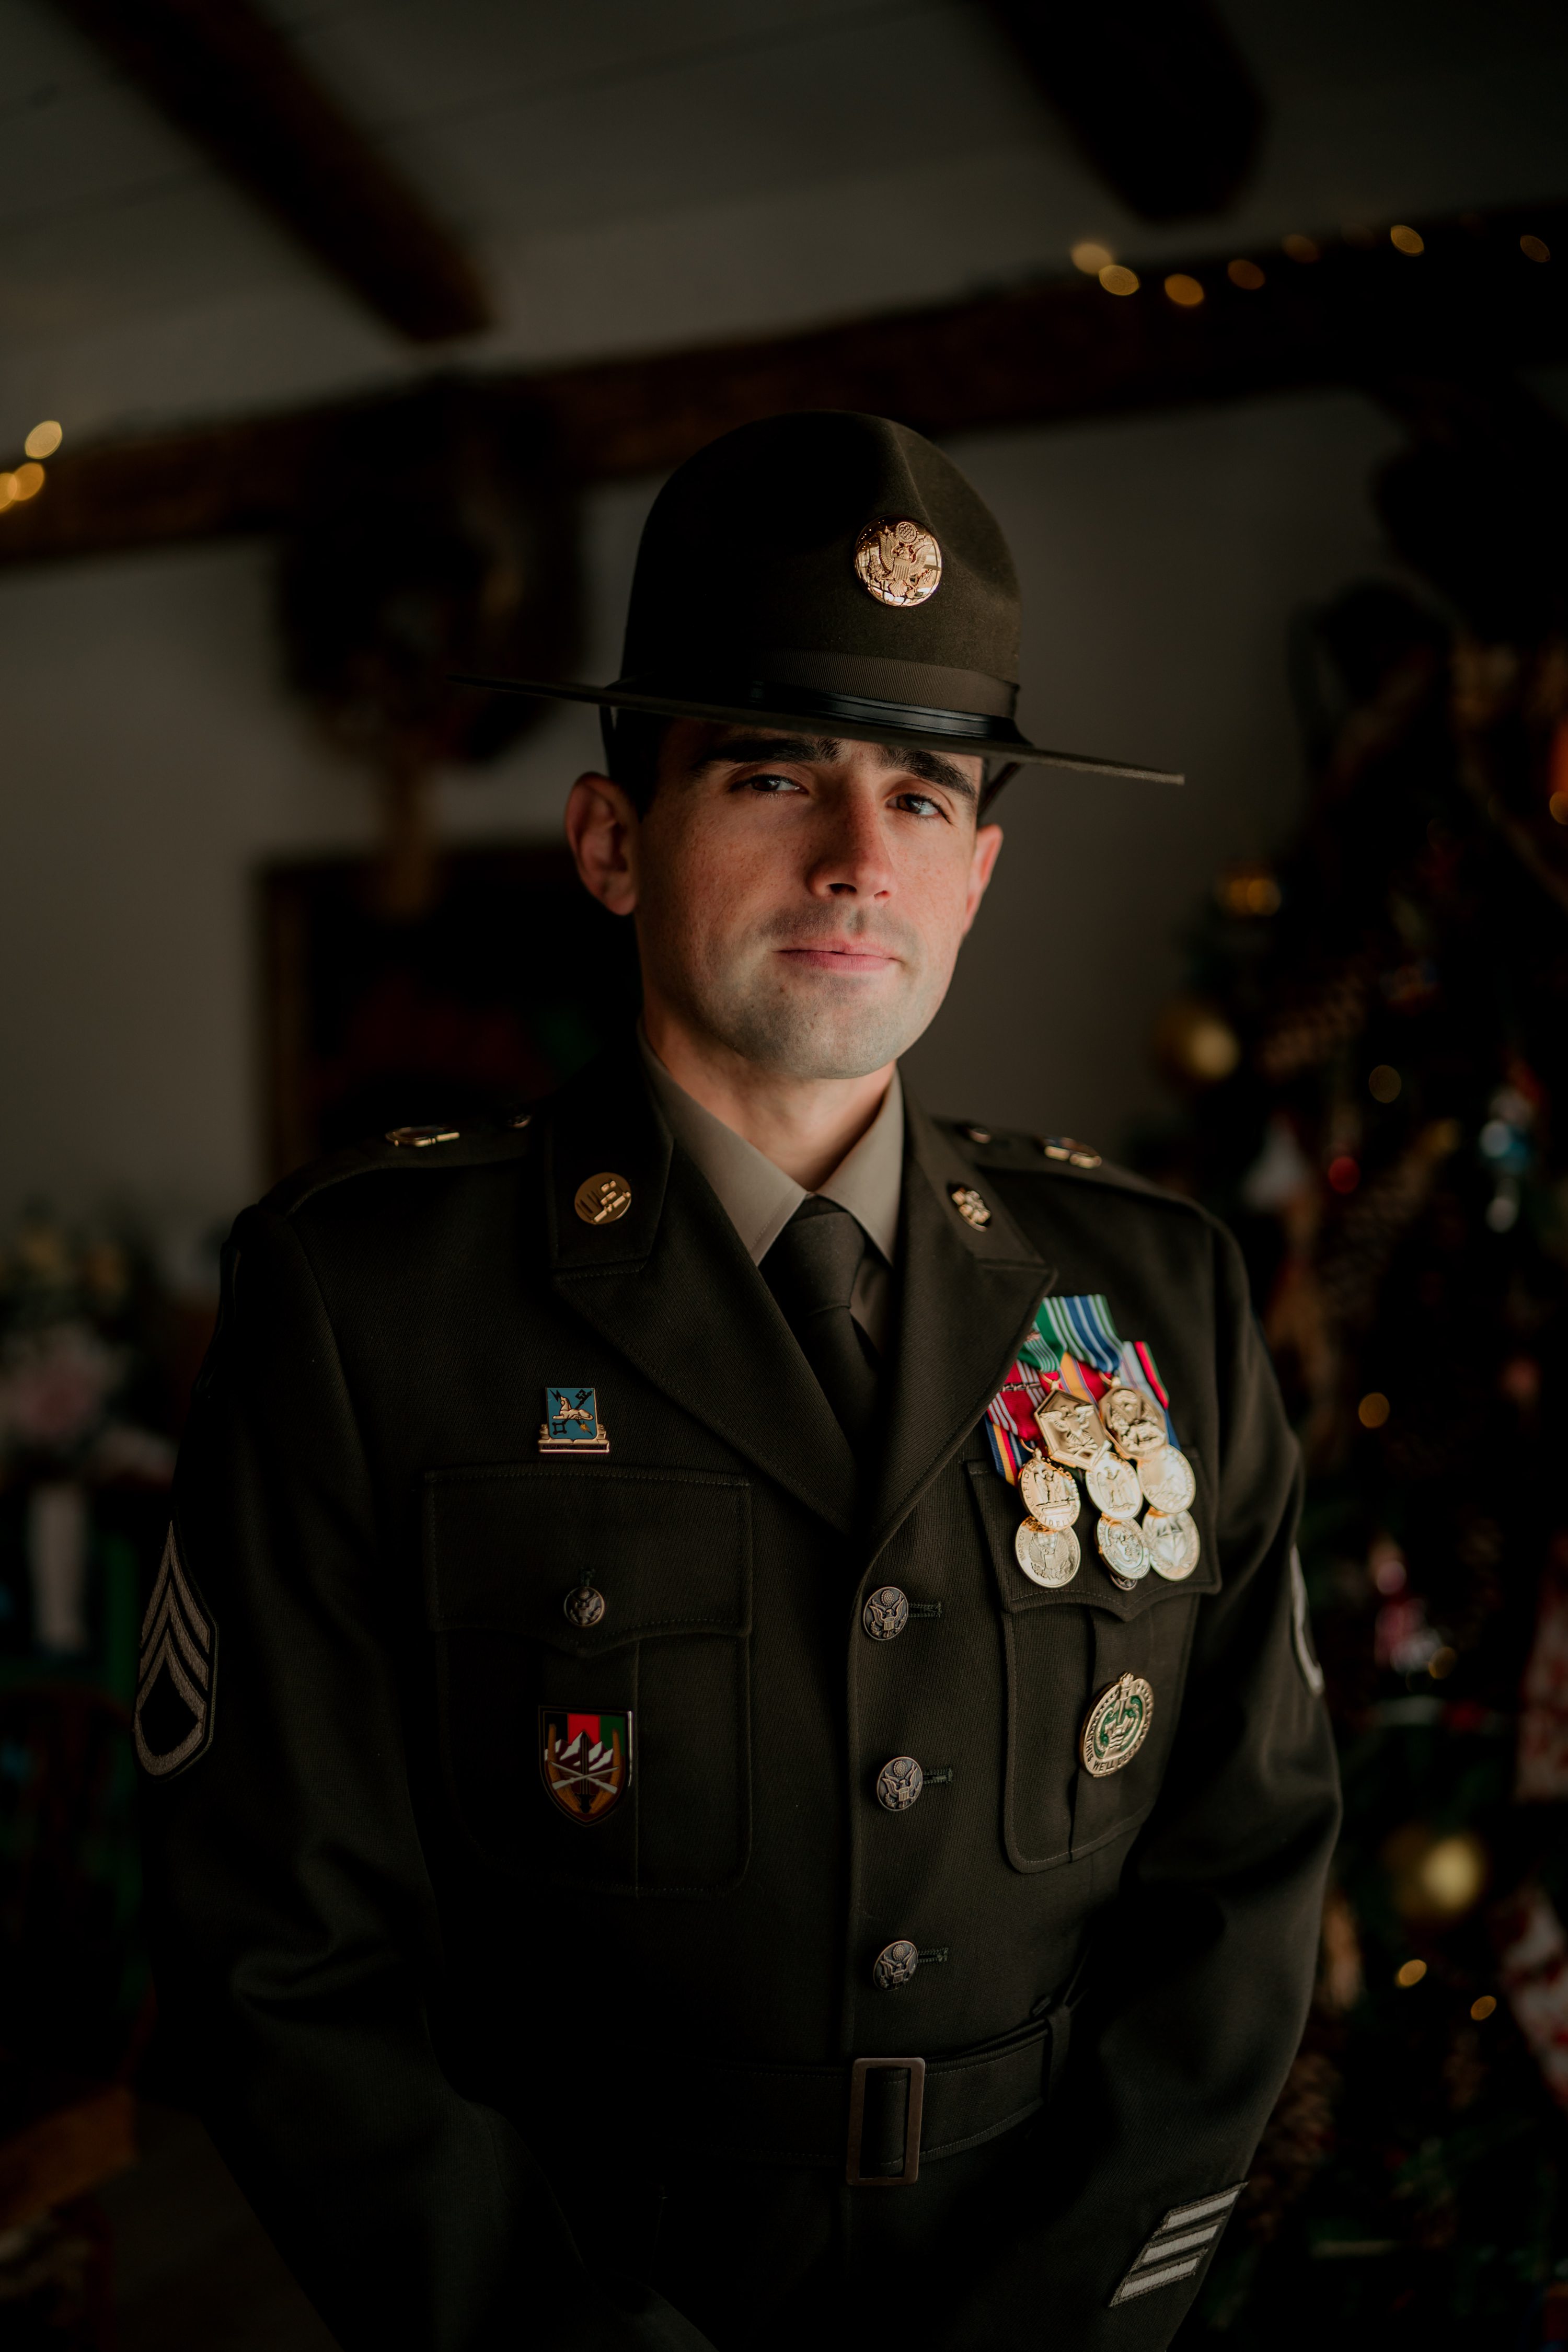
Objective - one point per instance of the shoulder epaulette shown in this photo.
(477, 1143)
(1014, 1151)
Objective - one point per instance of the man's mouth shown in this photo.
(843, 960)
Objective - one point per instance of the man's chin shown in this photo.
(799, 1035)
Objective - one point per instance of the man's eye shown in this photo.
(770, 782)
(921, 805)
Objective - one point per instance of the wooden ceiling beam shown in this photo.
(227, 79)
(1054, 354)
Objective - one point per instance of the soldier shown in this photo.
(674, 1817)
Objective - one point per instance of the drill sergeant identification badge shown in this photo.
(585, 1761)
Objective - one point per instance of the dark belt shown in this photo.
(880, 2118)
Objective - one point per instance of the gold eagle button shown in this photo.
(601, 1200)
(898, 562)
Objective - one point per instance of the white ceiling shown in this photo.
(633, 174)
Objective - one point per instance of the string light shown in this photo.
(1244, 274)
(1117, 280)
(1535, 248)
(1406, 239)
(1374, 1410)
(1481, 2010)
(1184, 292)
(1345, 1173)
(1384, 1083)
(1302, 248)
(1091, 258)
(29, 481)
(1410, 1974)
(45, 438)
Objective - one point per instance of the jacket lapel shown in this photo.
(670, 1286)
(967, 1296)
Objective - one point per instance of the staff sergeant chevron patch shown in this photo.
(176, 1674)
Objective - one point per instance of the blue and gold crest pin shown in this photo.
(572, 1424)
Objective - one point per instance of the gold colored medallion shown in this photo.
(898, 562)
(1132, 1422)
(1071, 1431)
(1050, 1496)
(1113, 1487)
(1048, 1556)
(601, 1200)
(1122, 1549)
(1167, 1480)
(1118, 1726)
(1173, 1543)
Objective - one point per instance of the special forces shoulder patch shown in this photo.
(177, 1672)
(585, 1760)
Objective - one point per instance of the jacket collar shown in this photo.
(670, 1284)
(967, 1296)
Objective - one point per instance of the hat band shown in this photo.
(808, 702)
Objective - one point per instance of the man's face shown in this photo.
(801, 901)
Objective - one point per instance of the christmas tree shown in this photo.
(1371, 1052)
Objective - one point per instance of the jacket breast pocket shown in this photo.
(1063, 1647)
(614, 1754)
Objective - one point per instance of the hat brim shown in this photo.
(858, 720)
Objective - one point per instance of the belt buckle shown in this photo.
(916, 2070)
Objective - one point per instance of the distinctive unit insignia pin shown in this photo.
(970, 1204)
(585, 1761)
(601, 1200)
(176, 1672)
(572, 1424)
(899, 562)
(1118, 1726)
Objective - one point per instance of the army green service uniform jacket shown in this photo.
(497, 2077)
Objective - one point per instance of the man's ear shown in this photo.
(602, 830)
(981, 866)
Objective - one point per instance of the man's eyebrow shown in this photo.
(745, 751)
(742, 751)
(929, 766)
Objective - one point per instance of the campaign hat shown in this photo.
(832, 571)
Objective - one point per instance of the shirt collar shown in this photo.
(756, 1196)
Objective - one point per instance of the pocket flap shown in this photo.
(1002, 1511)
(669, 1551)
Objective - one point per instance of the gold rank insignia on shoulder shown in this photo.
(601, 1200)
(419, 1138)
(572, 1424)
(898, 562)
(970, 1204)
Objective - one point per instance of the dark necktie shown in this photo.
(811, 1270)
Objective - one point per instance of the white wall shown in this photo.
(151, 761)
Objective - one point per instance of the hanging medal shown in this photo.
(1082, 1404)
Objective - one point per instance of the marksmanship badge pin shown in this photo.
(176, 1673)
(585, 1761)
(899, 562)
(572, 1424)
(1118, 1726)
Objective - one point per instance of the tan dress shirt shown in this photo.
(759, 1199)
